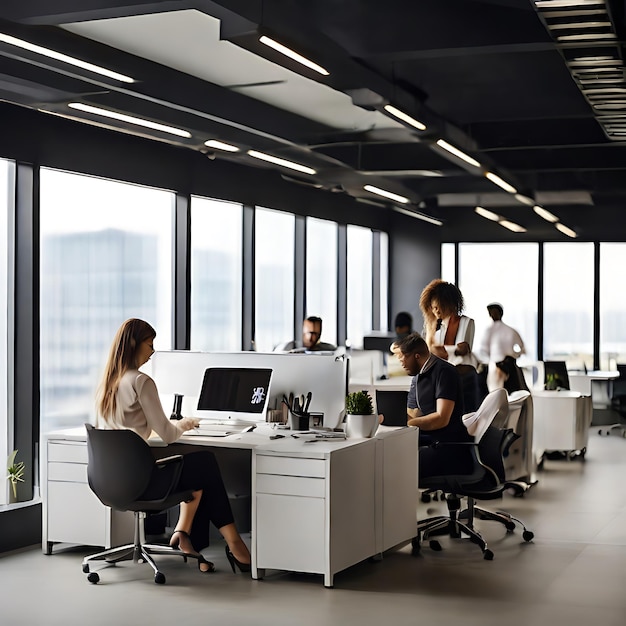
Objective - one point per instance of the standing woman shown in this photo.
(128, 398)
(450, 334)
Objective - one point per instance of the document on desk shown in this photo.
(220, 430)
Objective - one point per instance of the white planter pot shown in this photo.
(361, 426)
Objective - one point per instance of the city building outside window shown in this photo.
(359, 289)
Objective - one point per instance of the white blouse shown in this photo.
(465, 332)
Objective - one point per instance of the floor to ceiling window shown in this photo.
(612, 305)
(321, 274)
(216, 274)
(7, 194)
(568, 290)
(106, 255)
(504, 273)
(274, 278)
(359, 278)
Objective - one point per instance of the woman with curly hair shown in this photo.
(450, 334)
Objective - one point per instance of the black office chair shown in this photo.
(125, 476)
(617, 394)
(486, 481)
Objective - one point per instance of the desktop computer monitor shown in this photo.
(235, 392)
(558, 370)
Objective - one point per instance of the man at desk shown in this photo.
(311, 335)
(435, 406)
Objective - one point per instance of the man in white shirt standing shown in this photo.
(500, 340)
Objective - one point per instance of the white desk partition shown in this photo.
(182, 372)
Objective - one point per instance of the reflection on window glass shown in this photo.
(568, 304)
(447, 262)
(359, 291)
(321, 275)
(7, 188)
(216, 276)
(106, 256)
(384, 281)
(274, 278)
(612, 305)
(491, 272)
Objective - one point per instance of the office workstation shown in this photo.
(227, 252)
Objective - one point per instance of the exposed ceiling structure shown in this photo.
(513, 105)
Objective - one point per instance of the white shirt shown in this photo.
(500, 340)
(465, 332)
(139, 408)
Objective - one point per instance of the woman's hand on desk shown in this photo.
(189, 423)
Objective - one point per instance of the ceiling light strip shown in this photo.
(419, 216)
(512, 226)
(545, 214)
(457, 153)
(220, 145)
(496, 180)
(64, 58)
(386, 194)
(404, 117)
(282, 162)
(565, 230)
(494, 217)
(288, 52)
(122, 117)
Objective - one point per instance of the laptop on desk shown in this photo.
(232, 400)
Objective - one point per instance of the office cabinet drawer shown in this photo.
(290, 485)
(68, 472)
(290, 466)
(67, 452)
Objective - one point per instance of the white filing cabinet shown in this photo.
(561, 421)
(71, 511)
(322, 507)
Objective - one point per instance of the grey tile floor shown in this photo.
(574, 572)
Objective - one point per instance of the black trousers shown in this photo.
(201, 472)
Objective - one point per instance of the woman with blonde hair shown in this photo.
(128, 398)
(450, 334)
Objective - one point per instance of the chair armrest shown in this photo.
(168, 460)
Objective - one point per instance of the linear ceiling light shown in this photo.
(293, 55)
(404, 117)
(138, 121)
(494, 178)
(52, 54)
(386, 194)
(539, 210)
(524, 199)
(419, 216)
(565, 230)
(551, 4)
(283, 162)
(220, 145)
(494, 217)
(457, 153)
(516, 228)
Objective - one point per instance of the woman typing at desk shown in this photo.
(129, 399)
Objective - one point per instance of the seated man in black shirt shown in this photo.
(435, 406)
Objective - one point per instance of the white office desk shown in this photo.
(594, 383)
(367, 488)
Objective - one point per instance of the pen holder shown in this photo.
(298, 421)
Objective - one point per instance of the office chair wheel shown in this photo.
(510, 526)
(488, 555)
(93, 578)
(425, 498)
(86, 568)
(528, 535)
(159, 578)
(435, 545)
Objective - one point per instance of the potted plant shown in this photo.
(15, 473)
(360, 419)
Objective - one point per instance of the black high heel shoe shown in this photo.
(243, 567)
(175, 543)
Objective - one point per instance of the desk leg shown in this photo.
(258, 573)
(328, 580)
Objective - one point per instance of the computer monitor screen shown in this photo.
(555, 374)
(238, 391)
(392, 404)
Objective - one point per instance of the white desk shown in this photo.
(595, 384)
(367, 488)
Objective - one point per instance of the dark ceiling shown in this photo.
(534, 91)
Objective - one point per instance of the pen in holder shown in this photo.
(178, 403)
(298, 421)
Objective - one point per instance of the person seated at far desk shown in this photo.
(435, 406)
(128, 399)
(311, 335)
